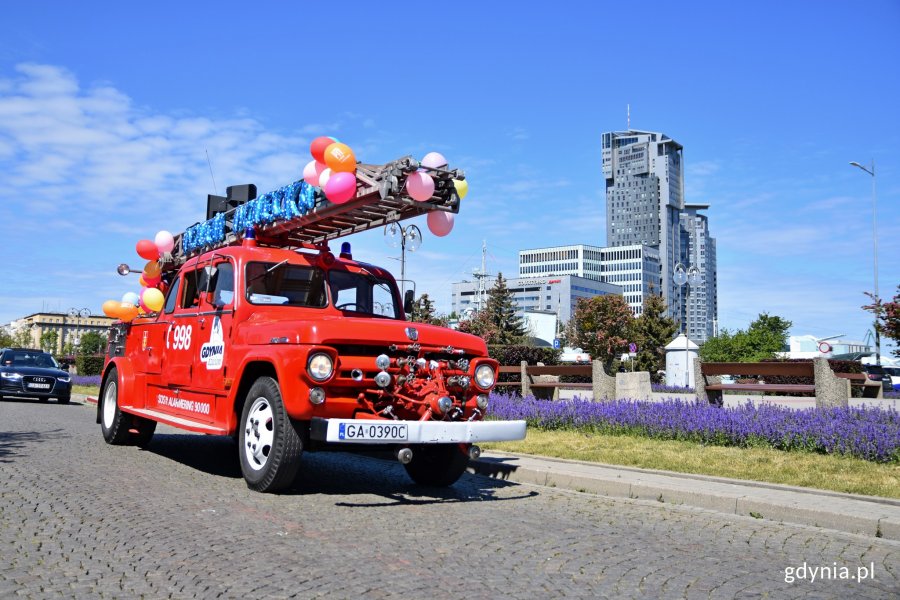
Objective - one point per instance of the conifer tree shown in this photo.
(652, 331)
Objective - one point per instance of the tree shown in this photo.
(503, 314)
(92, 343)
(423, 312)
(498, 322)
(49, 341)
(601, 326)
(887, 317)
(651, 332)
(6, 339)
(22, 338)
(764, 338)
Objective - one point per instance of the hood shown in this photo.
(332, 331)
(37, 371)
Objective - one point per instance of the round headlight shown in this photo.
(484, 376)
(481, 402)
(320, 366)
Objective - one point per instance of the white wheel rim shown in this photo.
(109, 404)
(259, 433)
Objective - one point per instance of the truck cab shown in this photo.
(289, 350)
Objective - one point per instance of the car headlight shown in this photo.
(320, 366)
(64, 378)
(484, 376)
(11, 375)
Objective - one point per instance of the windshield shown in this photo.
(18, 358)
(285, 284)
(363, 293)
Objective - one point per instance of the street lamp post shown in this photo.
(76, 313)
(875, 244)
(690, 277)
(406, 237)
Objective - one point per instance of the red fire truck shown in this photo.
(268, 337)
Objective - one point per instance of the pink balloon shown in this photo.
(420, 186)
(311, 172)
(164, 241)
(434, 160)
(341, 187)
(440, 223)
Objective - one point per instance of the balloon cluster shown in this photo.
(420, 186)
(151, 298)
(333, 169)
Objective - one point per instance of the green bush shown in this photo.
(89, 364)
(512, 356)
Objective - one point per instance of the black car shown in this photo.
(32, 373)
(877, 373)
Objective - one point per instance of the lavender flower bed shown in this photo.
(867, 433)
(670, 389)
(93, 380)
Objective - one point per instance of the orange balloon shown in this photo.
(111, 308)
(142, 281)
(128, 312)
(151, 270)
(339, 158)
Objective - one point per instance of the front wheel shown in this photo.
(113, 422)
(269, 442)
(437, 465)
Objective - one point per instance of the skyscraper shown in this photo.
(644, 173)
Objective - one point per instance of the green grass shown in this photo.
(803, 469)
(89, 390)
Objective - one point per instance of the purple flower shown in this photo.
(865, 432)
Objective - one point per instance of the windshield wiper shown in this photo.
(267, 271)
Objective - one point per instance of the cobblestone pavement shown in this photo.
(79, 518)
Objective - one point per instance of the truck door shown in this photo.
(182, 312)
(214, 327)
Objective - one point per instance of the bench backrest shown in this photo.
(551, 370)
(789, 369)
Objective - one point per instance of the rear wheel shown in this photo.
(141, 431)
(437, 465)
(269, 442)
(113, 422)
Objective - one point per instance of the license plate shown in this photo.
(387, 432)
(39, 386)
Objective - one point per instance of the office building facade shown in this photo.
(645, 205)
(557, 293)
(635, 269)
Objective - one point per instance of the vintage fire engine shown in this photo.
(268, 337)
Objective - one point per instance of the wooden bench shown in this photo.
(826, 387)
(533, 377)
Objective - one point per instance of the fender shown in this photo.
(126, 381)
(287, 369)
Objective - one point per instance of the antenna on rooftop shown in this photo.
(628, 117)
(213, 177)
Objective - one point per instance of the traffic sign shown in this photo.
(632, 347)
(556, 343)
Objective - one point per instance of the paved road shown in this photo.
(79, 518)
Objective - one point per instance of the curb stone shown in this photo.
(856, 514)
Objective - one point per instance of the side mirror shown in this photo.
(408, 300)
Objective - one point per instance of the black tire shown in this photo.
(141, 431)
(113, 422)
(437, 465)
(269, 442)
(64, 399)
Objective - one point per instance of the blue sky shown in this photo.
(107, 111)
